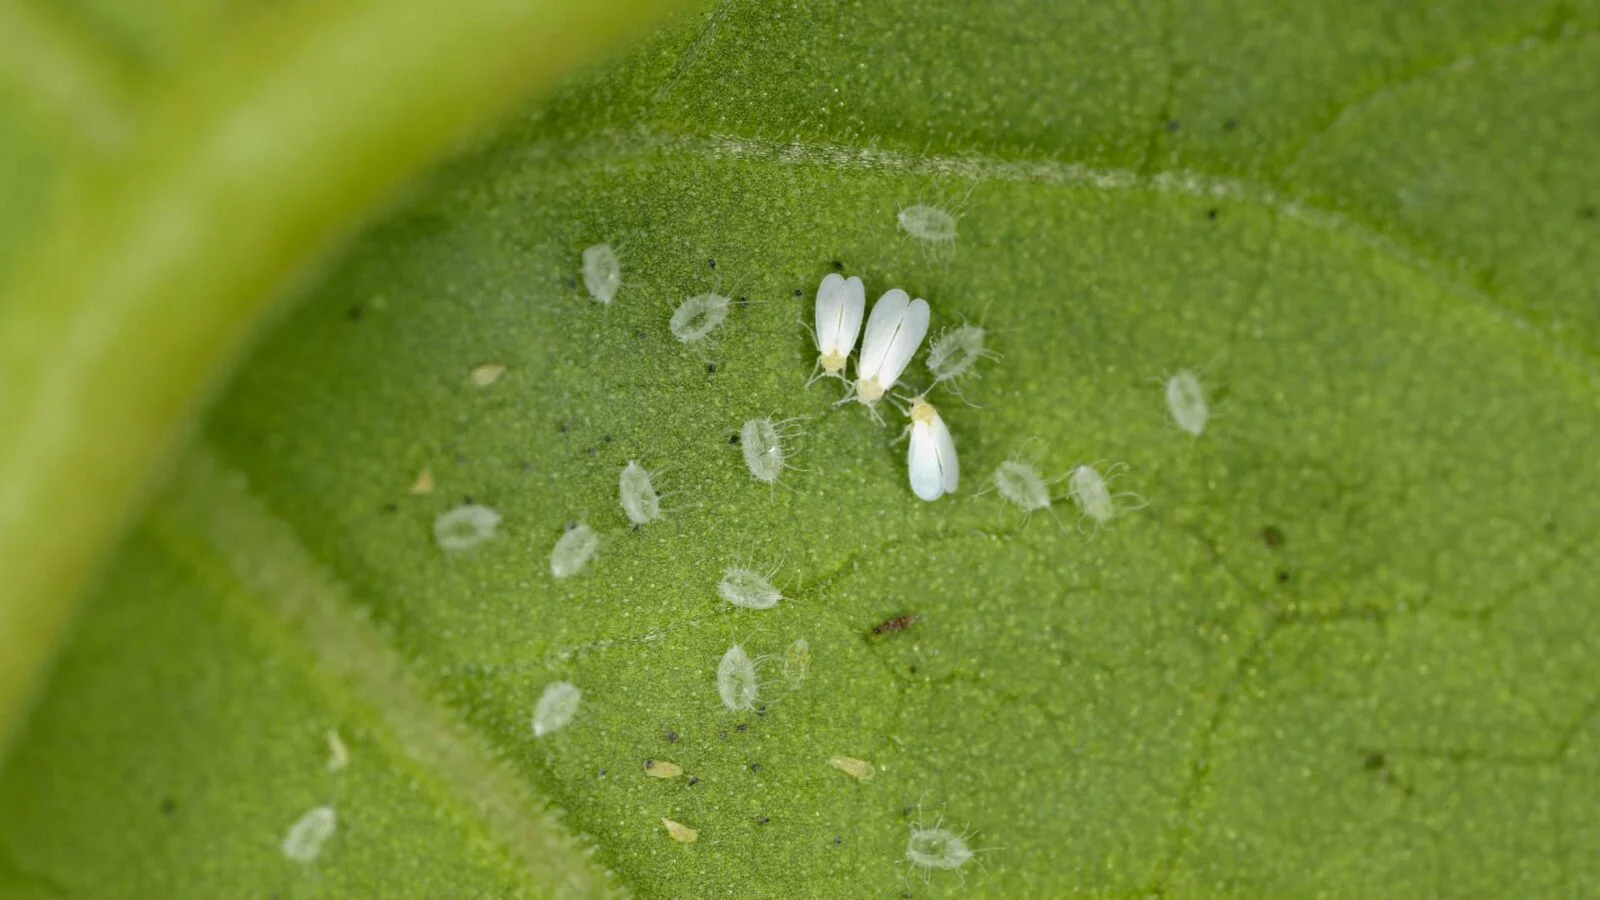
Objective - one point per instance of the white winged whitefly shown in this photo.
(894, 334)
(931, 463)
(841, 304)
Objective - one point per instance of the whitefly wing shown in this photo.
(841, 303)
(882, 327)
(944, 447)
(903, 344)
(931, 460)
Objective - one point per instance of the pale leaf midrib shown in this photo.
(209, 513)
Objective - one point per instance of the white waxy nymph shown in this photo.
(936, 848)
(556, 707)
(762, 443)
(640, 502)
(465, 526)
(797, 663)
(303, 843)
(736, 680)
(1186, 401)
(602, 272)
(698, 316)
(1022, 485)
(1092, 493)
(927, 223)
(894, 332)
(931, 460)
(573, 551)
(748, 589)
(841, 304)
(956, 352)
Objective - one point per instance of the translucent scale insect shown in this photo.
(573, 551)
(931, 460)
(797, 663)
(303, 843)
(956, 352)
(556, 707)
(932, 226)
(640, 502)
(465, 526)
(736, 680)
(762, 443)
(936, 848)
(1022, 485)
(927, 223)
(1092, 492)
(894, 333)
(1186, 402)
(698, 316)
(748, 588)
(602, 272)
(841, 304)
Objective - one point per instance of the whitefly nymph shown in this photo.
(304, 841)
(556, 707)
(764, 443)
(797, 663)
(637, 492)
(1186, 402)
(602, 272)
(931, 458)
(1092, 492)
(841, 304)
(1022, 485)
(748, 589)
(465, 526)
(926, 223)
(956, 352)
(894, 333)
(695, 318)
(736, 680)
(573, 550)
(936, 848)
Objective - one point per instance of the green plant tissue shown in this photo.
(1342, 643)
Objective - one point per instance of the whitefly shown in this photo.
(697, 317)
(556, 707)
(956, 352)
(736, 680)
(748, 589)
(602, 272)
(465, 526)
(574, 549)
(1186, 402)
(765, 444)
(637, 492)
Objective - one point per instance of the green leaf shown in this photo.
(1345, 647)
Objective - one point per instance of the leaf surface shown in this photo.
(1341, 644)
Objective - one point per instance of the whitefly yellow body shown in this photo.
(931, 460)
(894, 333)
(841, 304)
